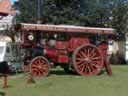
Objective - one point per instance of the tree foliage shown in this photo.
(76, 12)
(120, 18)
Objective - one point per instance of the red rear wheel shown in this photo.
(87, 60)
(39, 66)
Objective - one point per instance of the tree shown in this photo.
(56, 11)
(76, 12)
(120, 18)
(27, 10)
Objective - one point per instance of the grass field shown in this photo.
(61, 84)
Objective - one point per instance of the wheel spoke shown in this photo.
(94, 62)
(89, 70)
(86, 69)
(44, 68)
(92, 53)
(79, 62)
(83, 68)
(88, 52)
(95, 65)
(79, 65)
(80, 55)
(80, 59)
(96, 58)
(34, 65)
(43, 62)
(36, 62)
(83, 54)
(91, 67)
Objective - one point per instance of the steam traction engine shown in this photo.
(76, 49)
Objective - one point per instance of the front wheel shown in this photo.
(87, 60)
(39, 67)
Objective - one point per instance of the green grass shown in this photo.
(61, 84)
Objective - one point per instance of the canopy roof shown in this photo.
(63, 28)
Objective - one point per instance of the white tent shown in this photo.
(5, 39)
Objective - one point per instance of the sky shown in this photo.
(13, 1)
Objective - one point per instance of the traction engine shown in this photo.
(76, 49)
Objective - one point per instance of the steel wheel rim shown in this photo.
(39, 67)
(87, 60)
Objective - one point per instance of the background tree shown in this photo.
(77, 12)
(27, 9)
(120, 18)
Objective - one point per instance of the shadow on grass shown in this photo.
(123, 64)
(2, 94)
(61, 72)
